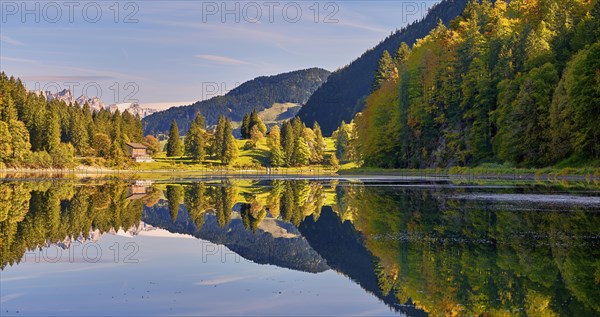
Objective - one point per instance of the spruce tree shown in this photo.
(342, 142)
(195, 139)
(255, 134)
(287, 142)
(174, 146)
(230, 149)
(102, 145)
(5, 143)
(78, 133)
(19, 141)
(245, 128)
(218, 139)
(273, 142)
(256, 121)
(402, 54)
(8, 110)
(88, 122)
(52, 133)
(298, 127)
(385, 71)
(320, 145)
(301, 156)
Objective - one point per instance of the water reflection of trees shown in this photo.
(454, 257)
(291, 201)
(33, 214)
(447, 256)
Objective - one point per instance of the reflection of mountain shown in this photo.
(343, 249)
(275, 242)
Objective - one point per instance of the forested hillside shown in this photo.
(508, 82)
(343, 95)
(257, 94)
(38, 133)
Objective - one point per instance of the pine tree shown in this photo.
(320, 145)
(256, 121)
(115, 154)
(174, 146)
(298, 127)
(273, 142)
(230, 149)
(5, 143)
(342, 142)
(287, 142)
(88, 122)
(255, 134)
(217, 144)
(245, 128)
(19, 141)
(386, 70)
(479, 101)
(333, 161)
(102, 145)
(195, 140)
(301, 155)
(78, 133)
(401, 56)
(52, 133)
(118, 137)
(8, 110)
(584, 93)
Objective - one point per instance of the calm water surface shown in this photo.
(299, 247)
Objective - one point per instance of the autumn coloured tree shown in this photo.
(506, 82)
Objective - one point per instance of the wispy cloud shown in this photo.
(66, 78)
(222, 59)
(10, 297)
(226, 279)
(364, 26)
(9, 40)
(18, 60)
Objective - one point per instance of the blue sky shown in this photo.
(168, 52)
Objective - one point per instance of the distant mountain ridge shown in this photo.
(275, 242)
(342, 96)
(95, 103)
(260, 93)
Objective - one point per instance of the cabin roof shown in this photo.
(136, 145)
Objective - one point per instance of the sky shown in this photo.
(170, 53)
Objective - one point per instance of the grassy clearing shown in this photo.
(279, 112)
(255, 159)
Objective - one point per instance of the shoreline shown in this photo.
(463, 174)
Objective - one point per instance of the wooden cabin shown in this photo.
(138, 152)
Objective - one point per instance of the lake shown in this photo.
(333, 246)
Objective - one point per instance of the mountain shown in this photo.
(260, 93)
(132, 107)
(275, 242)
(67, 97)
(96, 104)
(344, 250)
(342, 96)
